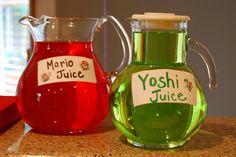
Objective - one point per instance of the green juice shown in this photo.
(156, 125)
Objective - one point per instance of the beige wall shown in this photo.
(45, 7)
(212, 22)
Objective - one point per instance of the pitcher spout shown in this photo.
(35, 26)
(32, 21)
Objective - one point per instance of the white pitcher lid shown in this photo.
(160, 16)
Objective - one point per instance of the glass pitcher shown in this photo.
(64, 89)
(157, 101)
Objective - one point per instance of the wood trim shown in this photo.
(32, 12)
(32, 7)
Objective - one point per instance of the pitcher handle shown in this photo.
(207, 58)
(126, 45)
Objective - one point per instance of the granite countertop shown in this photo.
(216, 138)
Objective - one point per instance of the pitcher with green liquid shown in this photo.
(157, 101)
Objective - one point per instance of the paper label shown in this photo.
(163, 86)
(66, 69)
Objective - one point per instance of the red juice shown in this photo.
(62, 107)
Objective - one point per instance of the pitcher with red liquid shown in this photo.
(64, 89)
